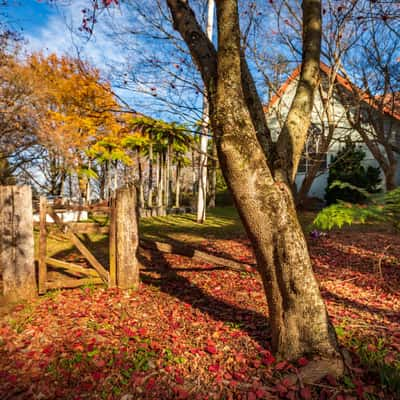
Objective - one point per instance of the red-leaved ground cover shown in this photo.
(197, 331)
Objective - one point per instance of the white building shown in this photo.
(330, 124)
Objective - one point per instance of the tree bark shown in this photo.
(150, 187)
(16, 243)
(213, 176)
(141, 182)
(202, 185)
(178, 185)
(298, 317)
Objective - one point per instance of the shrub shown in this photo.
(381, 207)
(347, 167)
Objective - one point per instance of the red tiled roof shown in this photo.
(389, 107)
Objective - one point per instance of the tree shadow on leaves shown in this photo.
(169, 281)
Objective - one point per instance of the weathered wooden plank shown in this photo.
(80, 246)
(89, 228)
(127, 239)
(103, 209)
(42, 245)
(73, 283)
(16, 243)
(194, 253)
(71, 267)
(112, 246)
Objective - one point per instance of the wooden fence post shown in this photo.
(127, 238)
(16, 243)
(42, 246)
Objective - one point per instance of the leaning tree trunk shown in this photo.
(261, 186)
(305, 187)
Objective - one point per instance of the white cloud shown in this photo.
(60, 34)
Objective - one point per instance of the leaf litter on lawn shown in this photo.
(195, 331)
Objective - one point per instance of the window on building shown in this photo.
(312, 150)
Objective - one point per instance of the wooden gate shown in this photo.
(97, 274)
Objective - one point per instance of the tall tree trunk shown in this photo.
(194, 179)
(213, 177)
(160, 181)
(115, 180)
(70, 194)
(261, 188)
(166, 177)
(178, 185)
(202, 193)
(390, 175)
(141, 181)
(109, 180)
(150, 187)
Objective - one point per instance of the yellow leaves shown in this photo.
(78, 108)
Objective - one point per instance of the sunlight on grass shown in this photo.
(221, 223)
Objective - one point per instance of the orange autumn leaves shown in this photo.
(77, 107)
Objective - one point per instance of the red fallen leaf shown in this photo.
(302, 361)
(211, 349)
(281, 389)
(280, 366)
(256, 363)
(182, 394)
(142, 331)
(331, 380)
(97, 375)
(47, 350)
(77, 347)
(238, 376)
(261, 394)
(268, 360)
(100, 363)
(305, 393)
(251, 396)
(286, 382)
(291, 395)
(213, 368)
(179, 380)
(150, 384)
(128, 332)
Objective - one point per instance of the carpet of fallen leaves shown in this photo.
(197, 331)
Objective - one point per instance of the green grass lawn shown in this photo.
(220, 223)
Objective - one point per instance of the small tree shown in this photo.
(347, 167)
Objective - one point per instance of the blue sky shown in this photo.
(52, 29)
(30, 15)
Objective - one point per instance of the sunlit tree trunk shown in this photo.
(260, 175)
(150, 187)
(213, 175)
(178, 184)
(202, 186)
(141, 181)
